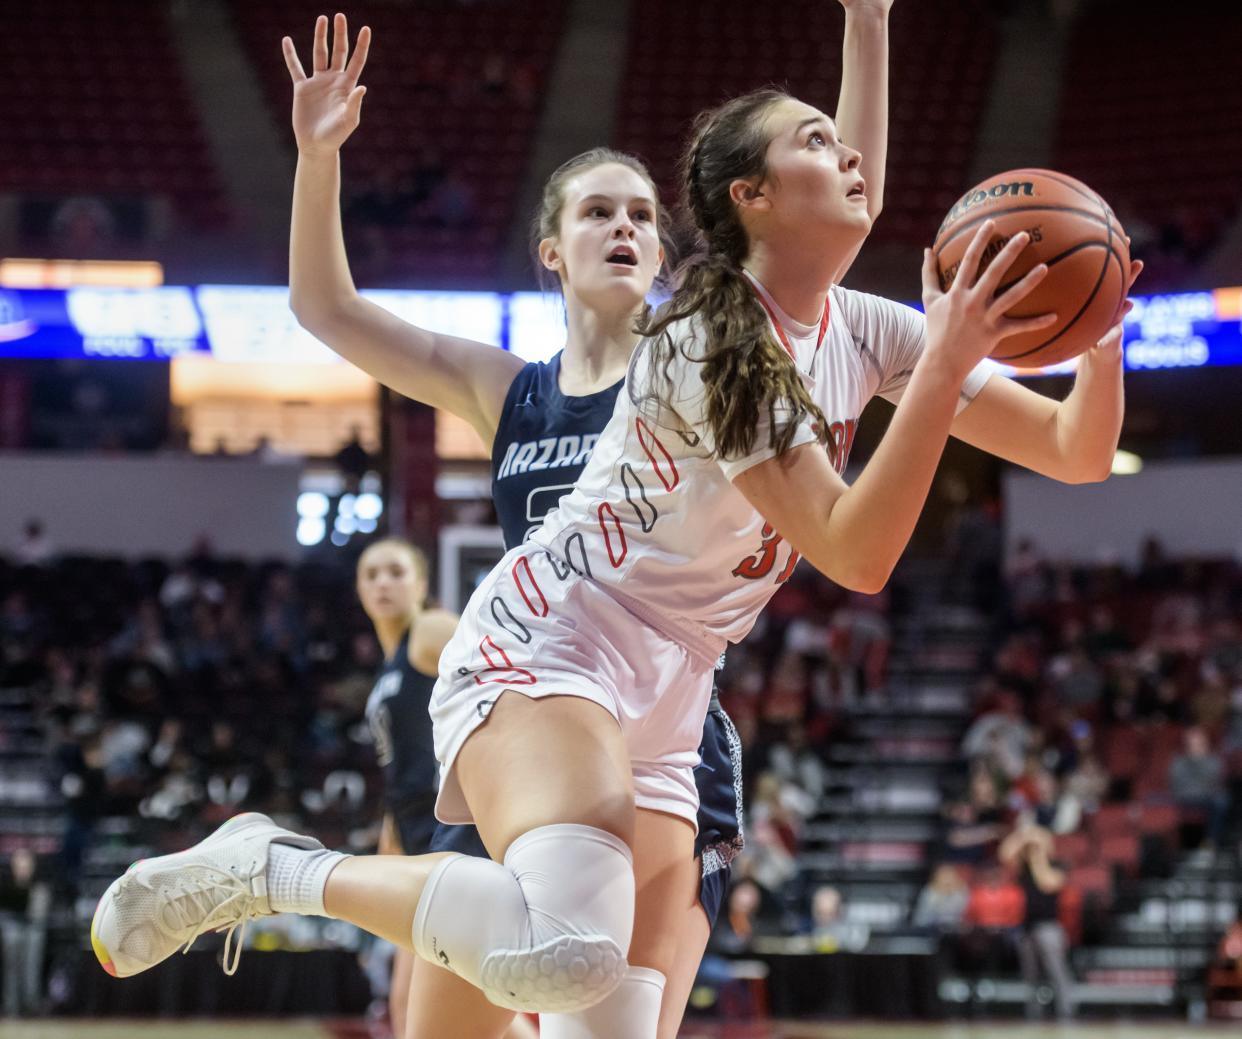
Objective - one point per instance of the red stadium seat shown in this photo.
(1093, 880)
(1121, 850)
(686, 56)
(485, 139)
(1114, 819)
(1162, 819)
(1104, 134)
(1075, 849)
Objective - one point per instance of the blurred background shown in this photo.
(187, 478)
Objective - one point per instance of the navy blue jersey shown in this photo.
(542, 443)
(397, 712)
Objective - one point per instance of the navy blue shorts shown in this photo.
(415, 830)
(719, 779)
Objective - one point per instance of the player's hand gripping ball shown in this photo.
(1073, 231)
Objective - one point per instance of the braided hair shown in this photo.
(745, 371)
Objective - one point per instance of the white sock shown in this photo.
(296, 878)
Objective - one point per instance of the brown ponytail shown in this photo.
(745, 370)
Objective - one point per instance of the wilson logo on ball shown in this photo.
(1017, 188)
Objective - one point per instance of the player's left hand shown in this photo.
(1108, 349)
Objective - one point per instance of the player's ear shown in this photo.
(550, 254)
(748, 193)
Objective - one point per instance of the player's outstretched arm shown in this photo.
(862, 109)
(855, 535)
(467, 378)
(1073, 441)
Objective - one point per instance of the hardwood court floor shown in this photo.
(122, 1029)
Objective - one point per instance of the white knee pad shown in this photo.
(547, 931)
(630, 1011)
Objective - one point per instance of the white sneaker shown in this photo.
(165, 903)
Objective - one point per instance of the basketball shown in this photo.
(1073, 231)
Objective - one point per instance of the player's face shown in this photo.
(608, 250)
(389, 584)
(813, 184)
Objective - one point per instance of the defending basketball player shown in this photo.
(392, 587)
(601, 633)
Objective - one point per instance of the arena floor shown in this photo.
(79, 1029)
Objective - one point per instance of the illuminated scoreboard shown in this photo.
(1179, 330)
(253, 323)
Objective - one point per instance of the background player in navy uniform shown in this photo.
(392, 587)
(598, 235)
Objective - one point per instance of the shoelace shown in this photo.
(195, 900)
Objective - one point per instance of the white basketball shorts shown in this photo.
(538, 628)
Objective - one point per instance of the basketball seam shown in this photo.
(937, 249)
(1108, 255)
(1000, 289)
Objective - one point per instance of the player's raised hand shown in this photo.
(883, 6)
(327, 104)
(966, 323)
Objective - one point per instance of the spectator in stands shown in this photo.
(828, 926)
(1000, 737)
(941, 905)
(975, 825)
(786, 697)
(24, 902)
(1026, 573)
(792, 760)
(773, 829)
(1229, 950)
(83, 227)
(1088, 782)
(35, 547)
(1076, 678)
(1043, 940)
(353, 460)
(993, 915)
(1105, 637)
(861, 640)
(1197, 782)
(1210, 705)
(1041, 802)
(748, 915)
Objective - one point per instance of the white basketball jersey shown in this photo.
(654, 516)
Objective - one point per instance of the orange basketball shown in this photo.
(1073, 231)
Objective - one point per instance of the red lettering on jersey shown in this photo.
(759, 565)
(669, 482)
(503, 670)
(615, 559)
(524, 563)
(842, 436)
(785, 574)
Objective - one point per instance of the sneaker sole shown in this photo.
(246, 820)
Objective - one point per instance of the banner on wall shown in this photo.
(253, 323)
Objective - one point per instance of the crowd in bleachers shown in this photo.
(175, 696)
(108, 156)
(1105, 742)
(1106, 737)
